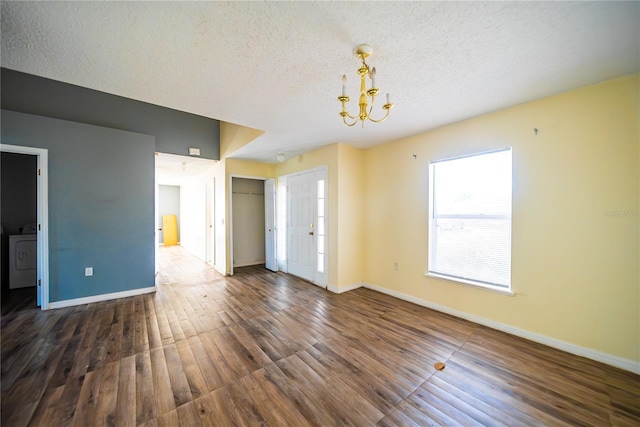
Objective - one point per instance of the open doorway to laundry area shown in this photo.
(24, 250)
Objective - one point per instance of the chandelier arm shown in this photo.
(382, 119)
(344, 119)
(350, 116)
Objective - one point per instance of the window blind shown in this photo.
(470, 224)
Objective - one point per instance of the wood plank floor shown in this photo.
(263, 348)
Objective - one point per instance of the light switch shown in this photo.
(88, 271)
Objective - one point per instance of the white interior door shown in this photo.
(219, 255)
(301, 230)
(270, 224)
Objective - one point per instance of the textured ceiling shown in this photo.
(276, 66)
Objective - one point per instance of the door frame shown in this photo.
(270, 206)
(210, 206)
(230, 215)
(42, 197)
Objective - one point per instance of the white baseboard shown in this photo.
(101, 297)
(342, 289)
(609, 359)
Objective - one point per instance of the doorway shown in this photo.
(168, 204)
(24, 221)
(182, 189)
(248, 219)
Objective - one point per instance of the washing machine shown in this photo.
(23, 260)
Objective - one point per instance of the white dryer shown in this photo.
(23, 260)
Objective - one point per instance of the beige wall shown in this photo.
(350, 216)
(575, 268)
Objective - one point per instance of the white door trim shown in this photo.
(42, 215)
(271, 247)
(211, 222)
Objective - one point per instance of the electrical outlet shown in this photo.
(396, 267)
(88, 271)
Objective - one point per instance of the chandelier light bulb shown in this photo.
(344, 84)
(372, 73)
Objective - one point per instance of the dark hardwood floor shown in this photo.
(263, 348)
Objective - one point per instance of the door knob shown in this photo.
(311, 233)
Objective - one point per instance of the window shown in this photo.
(470, 219)
(320, 232)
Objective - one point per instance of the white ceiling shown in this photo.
(276, 66)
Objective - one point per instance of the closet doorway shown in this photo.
(248, 221)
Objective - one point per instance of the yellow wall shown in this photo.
(574, 268)
(248, 168)
(350, 211)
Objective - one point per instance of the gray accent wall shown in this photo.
(101, 203)
(175, 131)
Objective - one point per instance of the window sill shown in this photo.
(476, 285)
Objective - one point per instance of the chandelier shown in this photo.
(363, 51)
